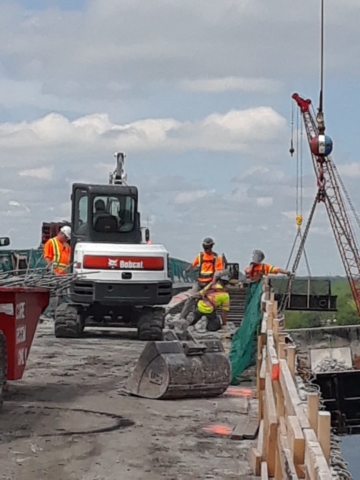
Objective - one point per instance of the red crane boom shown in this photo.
(329, 192)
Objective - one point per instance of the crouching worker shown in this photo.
(212, 297)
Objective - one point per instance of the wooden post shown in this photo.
(281, 351)
(276, 322)
(264, 471)
(291, 350)
(324, 427)
(313, 410)
(275, 308)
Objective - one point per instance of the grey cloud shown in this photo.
(114, 44)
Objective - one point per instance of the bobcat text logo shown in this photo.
(113, 263)
(131, 265)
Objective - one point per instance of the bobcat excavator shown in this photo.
(125, 281)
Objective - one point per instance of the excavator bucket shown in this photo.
(180, 367)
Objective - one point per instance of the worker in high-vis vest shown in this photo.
(208, 262)
(211, 298)
(257, 269)
(57, 251)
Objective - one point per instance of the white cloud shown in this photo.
(14, 203)
(235, 131)
(189, 197)
(264, 201)
(43, 173)
(351, 170)
(231, 84)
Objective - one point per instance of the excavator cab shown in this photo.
(105, 214)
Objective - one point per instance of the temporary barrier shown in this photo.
(294, 436)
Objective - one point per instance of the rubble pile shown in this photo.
(329, 364)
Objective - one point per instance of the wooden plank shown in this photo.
(290, 358)
(255, 461)
(324, 433)
(296, 443)
(239, 430)
(313, 410)
(293, 404)
(264, 471)
(281, 351)
(264, 323)
(286, 462)
(263, 369)
(269, 315)
(270, 426)
(260, 443)
(315, 461)
(276, 322)
(251, 428)
(271, 357)
(275, 307)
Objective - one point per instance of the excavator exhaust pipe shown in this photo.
(180, 367)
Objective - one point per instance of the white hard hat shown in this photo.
(66, 230)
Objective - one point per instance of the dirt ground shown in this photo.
(68, 419)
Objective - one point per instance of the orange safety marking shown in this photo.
(218, 429)
(240, 392)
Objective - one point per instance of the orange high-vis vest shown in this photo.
(256, 271)
(58, 253)
(208, 264)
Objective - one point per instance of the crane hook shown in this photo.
(292, 150)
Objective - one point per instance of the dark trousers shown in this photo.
(213, 321)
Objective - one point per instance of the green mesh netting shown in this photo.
(243, 346)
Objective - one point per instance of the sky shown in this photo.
(198, 96)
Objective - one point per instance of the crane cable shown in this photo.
(298, 208)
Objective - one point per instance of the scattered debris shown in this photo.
(329, 364)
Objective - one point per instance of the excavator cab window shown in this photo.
(110, 208)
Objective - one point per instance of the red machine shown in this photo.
(331, 192)
(20, 310)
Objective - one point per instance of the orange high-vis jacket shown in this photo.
(58, 253)
(208, 264)
(255, 271)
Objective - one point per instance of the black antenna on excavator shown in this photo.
(320, 115)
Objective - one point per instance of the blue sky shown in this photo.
(198, 95)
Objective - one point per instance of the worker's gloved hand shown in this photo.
(289, 274)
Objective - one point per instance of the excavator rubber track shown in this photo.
(180, 367)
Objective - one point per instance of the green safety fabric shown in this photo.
(36, 260)
(243, 346)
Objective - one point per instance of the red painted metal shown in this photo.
(20, 309)
(329, 183)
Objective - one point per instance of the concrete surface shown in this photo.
(53, 421)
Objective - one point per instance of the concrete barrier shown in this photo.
(294, 436)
